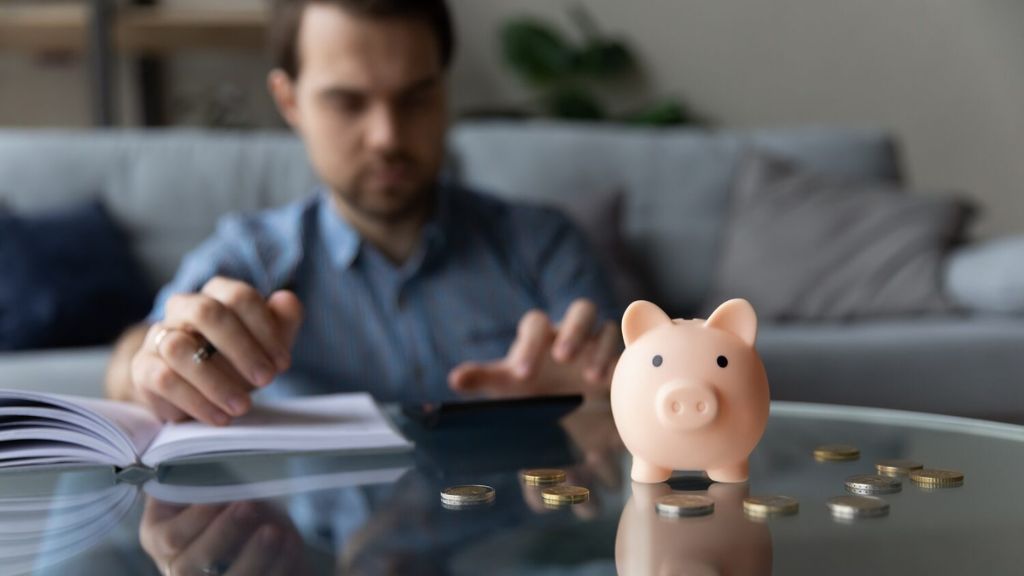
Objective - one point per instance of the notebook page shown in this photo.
(337, 422)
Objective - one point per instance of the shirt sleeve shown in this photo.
(566, 267)
(235, 250)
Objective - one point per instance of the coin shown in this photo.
(762, 506)
(935, 478)
(468, 494)
(872, 484)
(836, 453)
(565, 494)
(897, 467)
(684, 505)
(543, 476)
(857, 506)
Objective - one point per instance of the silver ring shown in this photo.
(203, 353)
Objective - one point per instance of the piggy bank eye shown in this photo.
(656, 361)
(723, 361)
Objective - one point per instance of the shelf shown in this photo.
(136, 30)
(61, 28)
(166, 30)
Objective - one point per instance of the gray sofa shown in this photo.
(667, 189)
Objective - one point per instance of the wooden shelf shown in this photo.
(60, 28)
(135, 29)
(166, 30)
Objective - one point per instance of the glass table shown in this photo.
(324, 514)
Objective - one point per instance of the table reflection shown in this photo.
(725, 542)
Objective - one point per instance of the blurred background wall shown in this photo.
(946, 75)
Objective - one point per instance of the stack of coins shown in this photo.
(872, 484)
(770, 506)
(897, 467)
(467, 496)
(543, 476)
(935, 478)
(565, 494)
(852, 507)
(836, 453)
(684, 505)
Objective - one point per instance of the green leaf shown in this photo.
(605, 60)
(574, 103)
(536, 51)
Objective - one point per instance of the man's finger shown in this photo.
(574, 329)
(606, 353)
(263, 547)
(254, 313)
(479, 377)
(288, 310)
(532, 340)
(168, 529)
(218, 383)
(221, 539)
(221, 327)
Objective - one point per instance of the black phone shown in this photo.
(533, 411)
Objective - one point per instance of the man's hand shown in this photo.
(252, 338)
(239, 538)
(574, 356)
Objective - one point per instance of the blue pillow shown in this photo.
(67, 278)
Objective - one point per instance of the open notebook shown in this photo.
(51, 429)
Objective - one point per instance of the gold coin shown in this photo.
(857, 506)
(935, 478)
(543, 476)
(684, 505)
(762, 506)
(836, 453)
(467, 494)
(565, 494)
(872, 484)
(897, 467)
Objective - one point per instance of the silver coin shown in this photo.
(872, 484)
(857, 506)
(467, 494)
(685, 505)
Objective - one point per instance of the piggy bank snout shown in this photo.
(684, 405)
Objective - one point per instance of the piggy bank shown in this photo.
(724, 542)
(690, 394)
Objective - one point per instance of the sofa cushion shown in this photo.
(166, 187)
(988, 276)
(968, 366)
(802, 247)
(676, 181)
(68, 279)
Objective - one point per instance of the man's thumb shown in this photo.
(287, 309)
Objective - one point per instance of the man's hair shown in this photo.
(286, 20)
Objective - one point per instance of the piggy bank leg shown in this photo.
(648, 473)
(737, 473)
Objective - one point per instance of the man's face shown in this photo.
(370, 104)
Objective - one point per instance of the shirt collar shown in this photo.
(344, 242)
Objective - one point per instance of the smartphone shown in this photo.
(534, 411)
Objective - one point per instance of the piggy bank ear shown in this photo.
(737, 317)
(639, 318)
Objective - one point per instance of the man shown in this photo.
(388, 279)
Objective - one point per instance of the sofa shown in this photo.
(660, 198)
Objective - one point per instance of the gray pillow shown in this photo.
(801, 247)
(988, 276)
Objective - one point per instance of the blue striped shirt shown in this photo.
(397, 330)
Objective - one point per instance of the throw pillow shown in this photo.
(803, 248)
(987, 277)
(68, 279)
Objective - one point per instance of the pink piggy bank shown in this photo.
(690, 394)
